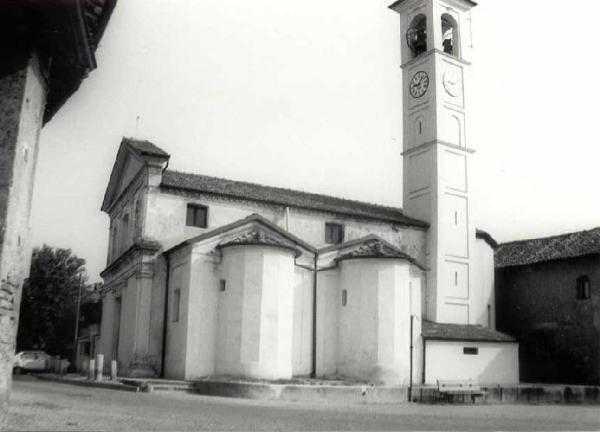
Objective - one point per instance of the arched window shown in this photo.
(416, 36)
(583, 288)
(450, 41)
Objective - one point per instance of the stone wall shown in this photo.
(559, 334)
(22, 101)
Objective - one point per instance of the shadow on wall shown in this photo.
(500, 368)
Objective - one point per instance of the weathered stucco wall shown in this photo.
(374, 338)
(302, 322)
(329, 300)
(22, 101)
(256, 310)
(368, 338)
(203, 312)
(165, 222)
(179, 277)
(495, 363)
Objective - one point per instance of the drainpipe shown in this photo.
(424, 351)
(313, 372)
(287, 219)
(410, 385)
(165, 320)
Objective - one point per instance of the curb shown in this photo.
(85, 383)
(346, 394)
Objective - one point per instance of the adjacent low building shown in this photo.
(547, 297)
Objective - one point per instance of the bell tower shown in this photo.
(436, 156)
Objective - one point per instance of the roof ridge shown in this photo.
(556, 236)
(285, 189)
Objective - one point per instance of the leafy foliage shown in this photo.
(49, 302)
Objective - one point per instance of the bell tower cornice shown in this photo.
(432, 52)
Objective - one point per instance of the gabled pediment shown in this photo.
(132, 157)
(371, 246)
(257, 235)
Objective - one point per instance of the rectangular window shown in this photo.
(583, 288)
(197, 216)
(222, 285)
(344, 297)
(334, 233)
(470, 351)
(176, 304)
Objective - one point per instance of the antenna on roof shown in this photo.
(137, 122)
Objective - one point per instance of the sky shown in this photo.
(308, 95)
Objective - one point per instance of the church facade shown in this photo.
(213, 277)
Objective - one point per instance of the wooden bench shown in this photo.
(450, 388)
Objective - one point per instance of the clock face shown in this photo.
(452, 80)
(419, 84)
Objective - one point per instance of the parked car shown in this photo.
(31, 361)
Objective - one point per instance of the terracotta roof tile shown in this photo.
(285, 197)
(462, 332)
(525, 252)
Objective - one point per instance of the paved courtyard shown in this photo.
(41, 405)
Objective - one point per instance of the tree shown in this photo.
(49, 301)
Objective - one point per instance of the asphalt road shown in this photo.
(42, 405)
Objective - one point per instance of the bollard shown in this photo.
(91, 369)
(113, 370)
(84, 366)
(64, 365)
(99, 366)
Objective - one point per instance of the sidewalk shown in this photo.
(323, 391)
(79, 380)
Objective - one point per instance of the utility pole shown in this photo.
(77, 320)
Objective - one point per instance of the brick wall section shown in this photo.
(22, 101)
(559, 334)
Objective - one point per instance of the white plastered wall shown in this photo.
(255, 321)
(176, 344)
(328, 309)
(374, 325)
(495, 363)
(483, 286)
(203, 294)
(302, 322)
(166, 213)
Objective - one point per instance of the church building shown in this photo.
(215, 277)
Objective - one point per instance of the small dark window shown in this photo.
(197, 216)
(334, 233)
(176, 304)
(222, 285)
(470, 350)
(344, 297)
(583, 288)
